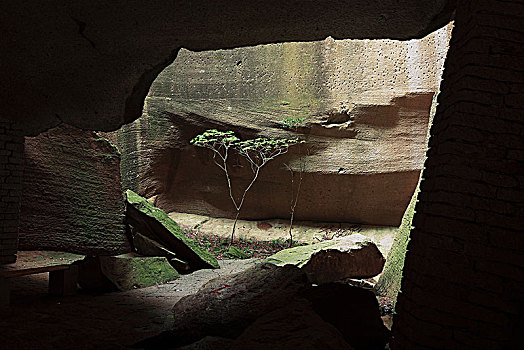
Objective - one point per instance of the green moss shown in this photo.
(128, 271)
(236, 253)
(109, 156)
(299, 256)
(390, 282)
(141, 204)
(110, 144)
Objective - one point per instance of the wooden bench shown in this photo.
(63, 275)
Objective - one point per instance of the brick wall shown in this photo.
(11, 149)
(463, 282)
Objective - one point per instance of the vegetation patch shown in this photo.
(247, 247)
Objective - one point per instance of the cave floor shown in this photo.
(303, 231)
(36, 320)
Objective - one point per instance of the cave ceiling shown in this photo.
(90, 64)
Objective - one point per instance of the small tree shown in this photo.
(294, 124)
(258, 152)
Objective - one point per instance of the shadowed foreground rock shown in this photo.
(295, 326)
(353, 311)
(226, 305)
(353, 256)
(272, 307)
(156, 225)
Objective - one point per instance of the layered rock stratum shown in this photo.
(365, 106)
(72, 196)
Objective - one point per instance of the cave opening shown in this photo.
(462, 283)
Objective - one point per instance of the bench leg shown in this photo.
(4, 291)
(63, 282)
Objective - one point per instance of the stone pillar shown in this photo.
(11, 150)
(463, 281)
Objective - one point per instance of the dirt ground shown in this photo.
(35, 320)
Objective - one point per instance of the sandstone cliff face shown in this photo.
(90, 64)
(72, 197)
(366, 105)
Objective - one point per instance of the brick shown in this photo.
(511, 195)
(18, 147)
(463, 186)
(504, 166)
(4, 245)
(499, 180)
(467, 231)
(515, 100)
(7, 259)
(496, 73)
(499, 220)
(450, 211)
(493, 300)
(8, 236)
(428, 240)
(506, 239)
(464, 308)
(505, 270)
(453, 274)
(426, 335)
(493, 124)
(11, 199)
(12, 180)
(473, 341)
(516, 154)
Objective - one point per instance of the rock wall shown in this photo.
(72, 197)
(11, 150)
(366, 105)
(90, 64)
(463, 282)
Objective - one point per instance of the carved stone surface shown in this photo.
(365, 104)
(71, 194)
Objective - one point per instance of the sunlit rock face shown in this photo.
(90, 64)
(72, 197)
(365, 104)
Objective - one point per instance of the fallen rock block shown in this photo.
(353, 311)
(148, 247)
(295, 326)
(226, 305)
(158, 226)
(353, 256)
(124, 272)
(210, 343)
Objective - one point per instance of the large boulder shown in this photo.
(158, 226)
(366, 106)
(353, 256)
(353, 311)
(124, 272)
(293, 327)
(226, 305)
(274, 307)
(71, 194)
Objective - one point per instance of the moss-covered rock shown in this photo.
(124, 272)
(236, 253)
(157, 225)
(389, 282)
(129, 271)
(353, 256)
